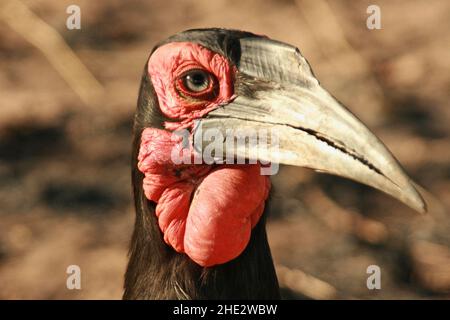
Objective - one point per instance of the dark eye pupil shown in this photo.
(197, 78)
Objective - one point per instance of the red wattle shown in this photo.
(205, 211)
(225, 207)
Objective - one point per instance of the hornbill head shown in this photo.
(224, 80)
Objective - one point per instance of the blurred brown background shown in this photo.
(65, 194)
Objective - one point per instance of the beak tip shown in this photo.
(414, 199)
(422, 207)
(418, 200)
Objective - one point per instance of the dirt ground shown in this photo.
(65, 195)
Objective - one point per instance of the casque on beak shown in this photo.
(277, 91)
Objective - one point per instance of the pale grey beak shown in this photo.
(277, 91)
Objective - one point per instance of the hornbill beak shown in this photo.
(277, 91)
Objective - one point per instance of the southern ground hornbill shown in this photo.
(200, 227)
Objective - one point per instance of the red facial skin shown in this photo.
(171, 61)
(204, 211)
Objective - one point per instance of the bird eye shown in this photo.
(196, 80)
(198, 84)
